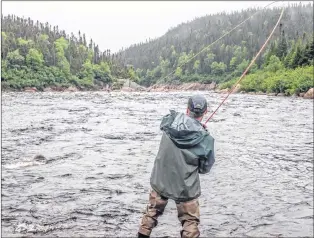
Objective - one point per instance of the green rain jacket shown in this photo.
(186, 150)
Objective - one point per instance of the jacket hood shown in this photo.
(183, 130)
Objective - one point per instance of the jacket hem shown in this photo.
(175, 198)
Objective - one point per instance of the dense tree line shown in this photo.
(38, 55)
(285, 69)
(291, 46)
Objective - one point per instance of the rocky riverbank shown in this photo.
(57, 89)
(167, 88)
(209, 87)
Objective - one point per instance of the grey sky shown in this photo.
(113, 25)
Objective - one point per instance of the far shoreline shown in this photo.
(155, 89)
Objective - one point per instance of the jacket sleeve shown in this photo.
(207, 160)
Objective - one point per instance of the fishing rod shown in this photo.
(227, 33)
(246, 70)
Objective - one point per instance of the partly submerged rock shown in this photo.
(226, 90)
(182, 87)
(236, 114)
(30, 89)
(127, 89)
(71, 89)
(48, 89)
(237, 89)
(57, 89)
(212, 86)
(40, 158)
(309, 94)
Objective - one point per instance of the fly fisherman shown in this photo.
(186, 150)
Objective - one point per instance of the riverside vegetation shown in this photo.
(38, 55)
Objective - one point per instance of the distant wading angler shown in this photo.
(186, 150)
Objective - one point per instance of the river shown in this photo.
(99, 150)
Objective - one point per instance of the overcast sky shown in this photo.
(117, 24)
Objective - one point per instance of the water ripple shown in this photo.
(98, 150)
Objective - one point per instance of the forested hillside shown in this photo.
(291, 47)
(38, 55)
(35, 54)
